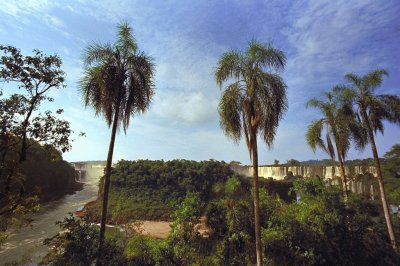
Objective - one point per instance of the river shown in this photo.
(26, 244)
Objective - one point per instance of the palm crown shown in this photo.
(118, 82)
(253, 104)
(371, 110)
(117, 78)
(256, 100)
(337, 126)
(377, 107)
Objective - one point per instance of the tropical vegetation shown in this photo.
(31, 139)
(338, 127)
(151, 190)
(117, 83)
(217, 216)
(318, 230)
(253, 104)
(372, 110)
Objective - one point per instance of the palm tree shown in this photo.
(371, 110)
(117, 83)
(337, 129)
(252, 104)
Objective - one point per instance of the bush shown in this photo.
(77, 244)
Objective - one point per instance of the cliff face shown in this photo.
(361, 179)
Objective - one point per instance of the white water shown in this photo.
(326, 172)
(26, 244)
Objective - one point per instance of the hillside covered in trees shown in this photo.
(47, 174)
(146, 189)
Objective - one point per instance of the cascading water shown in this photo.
(361, 179)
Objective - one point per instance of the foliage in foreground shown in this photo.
(77, 244)
(31, 139)
(318, 230)
(118, 82)
(252, 105)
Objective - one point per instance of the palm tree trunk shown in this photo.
(256, 197)
(106, 187)
(342, 175)
(386, 212)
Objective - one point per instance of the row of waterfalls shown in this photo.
(361, 179)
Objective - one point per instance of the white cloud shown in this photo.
(186, 106)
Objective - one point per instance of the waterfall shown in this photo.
(361, 179)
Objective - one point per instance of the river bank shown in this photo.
(26, 244)
(155, 229)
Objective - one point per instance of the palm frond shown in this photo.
(272, 102)
(246, 132)
(374, 78)
(329, 146)
(97, 53)
(362, 102)
(257, 98)
(353, 79)
(117, 80)
(391, 105)
(126, 41)
(229, 67)
(230, 110)
(266, 55)
(315, 103)
(313, 135)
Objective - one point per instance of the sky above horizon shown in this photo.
(322, 40)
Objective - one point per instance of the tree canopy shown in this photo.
(22, 124)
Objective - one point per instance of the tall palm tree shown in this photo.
(117, 83)
(371, 110)
(252, 104)
(336, 123)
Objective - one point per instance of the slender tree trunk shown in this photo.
(256, 196)
(386, 212)
(106, 187)
(342, 171)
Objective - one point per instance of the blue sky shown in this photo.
(323, 40)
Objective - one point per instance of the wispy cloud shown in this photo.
(192, 107)
(322, 39)
(332, 38)
(19, 9)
